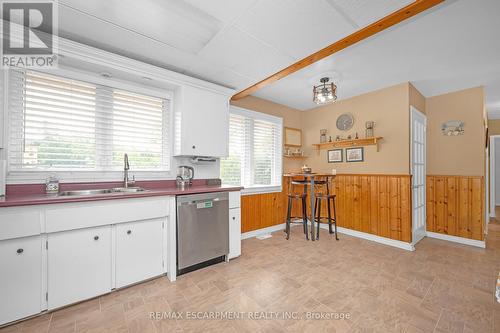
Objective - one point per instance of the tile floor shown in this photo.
(442, 287)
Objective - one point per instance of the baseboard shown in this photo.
(345, 231)
(455, 239)
(373, 238)
(258, 232)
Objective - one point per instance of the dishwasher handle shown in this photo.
(202, 198)
(196, 202)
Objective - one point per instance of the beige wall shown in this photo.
(291, 118)
(388, 107)
(416, 98)
(456, 155)
(494, 127)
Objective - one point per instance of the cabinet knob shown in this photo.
(19, 251)
(96, 237)
(129, 232)
(194, 147)
(234, 218)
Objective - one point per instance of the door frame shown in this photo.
(491, 180)
(413, 111)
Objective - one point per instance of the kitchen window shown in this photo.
(255, 151)
(58, 124)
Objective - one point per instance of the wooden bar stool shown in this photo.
(323, 195)
(293, 196)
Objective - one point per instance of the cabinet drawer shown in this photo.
(79, 265)
(21, 278)
(19, 222)
(139, 251)
(85, 215)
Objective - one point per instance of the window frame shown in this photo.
(37, 176)
(278, 121)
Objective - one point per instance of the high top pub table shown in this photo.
(309, 177)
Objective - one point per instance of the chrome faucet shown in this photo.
(126, 167)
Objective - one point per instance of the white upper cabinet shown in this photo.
(201, 122)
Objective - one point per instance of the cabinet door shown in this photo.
(139, 251)
(234, 233)
(79, 265)
(20, 278)
(205, 123)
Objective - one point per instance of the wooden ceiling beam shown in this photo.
(388, 21)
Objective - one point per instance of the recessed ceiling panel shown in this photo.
(365, 12)
(297, 28)
(236, 50)
(224, 10)
(94, 32)
(175, 23)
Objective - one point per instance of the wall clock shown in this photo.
(345, 122)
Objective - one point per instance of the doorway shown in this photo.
(494, 174)
(418, 166)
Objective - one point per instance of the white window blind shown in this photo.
(255, 151)
(60, 124)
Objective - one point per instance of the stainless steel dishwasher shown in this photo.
(202, 230)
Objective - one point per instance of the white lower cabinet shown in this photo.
(78, 265)
(234, 233)
(21, 278)
(139, 251)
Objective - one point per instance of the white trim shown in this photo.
(93, 78)
(261, 190)
(373, 238)
(263, 231)
(345, 231)
(492, 185)
(415, 113)
(455, 239)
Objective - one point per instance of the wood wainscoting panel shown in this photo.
(375, 204)
(455, 206)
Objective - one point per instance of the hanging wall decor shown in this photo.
(335, 156)
(453, 128)
(354, 154)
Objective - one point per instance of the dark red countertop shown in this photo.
(33, 194)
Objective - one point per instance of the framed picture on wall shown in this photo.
(354, 154)
(293, 137)
(335, 156)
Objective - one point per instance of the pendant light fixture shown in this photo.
(325, 92)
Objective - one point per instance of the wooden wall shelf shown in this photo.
(348, 143)
(297, 157)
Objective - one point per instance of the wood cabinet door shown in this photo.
(79, 265)
(139, 251)
(20, 278)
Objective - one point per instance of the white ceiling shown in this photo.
(231, 42)
(452, 47)
(239, 42)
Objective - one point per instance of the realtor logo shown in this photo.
(29, 34)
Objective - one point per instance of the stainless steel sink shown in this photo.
(128, 189)
(86, 192)
(102, 191)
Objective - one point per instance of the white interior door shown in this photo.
(418, 171)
